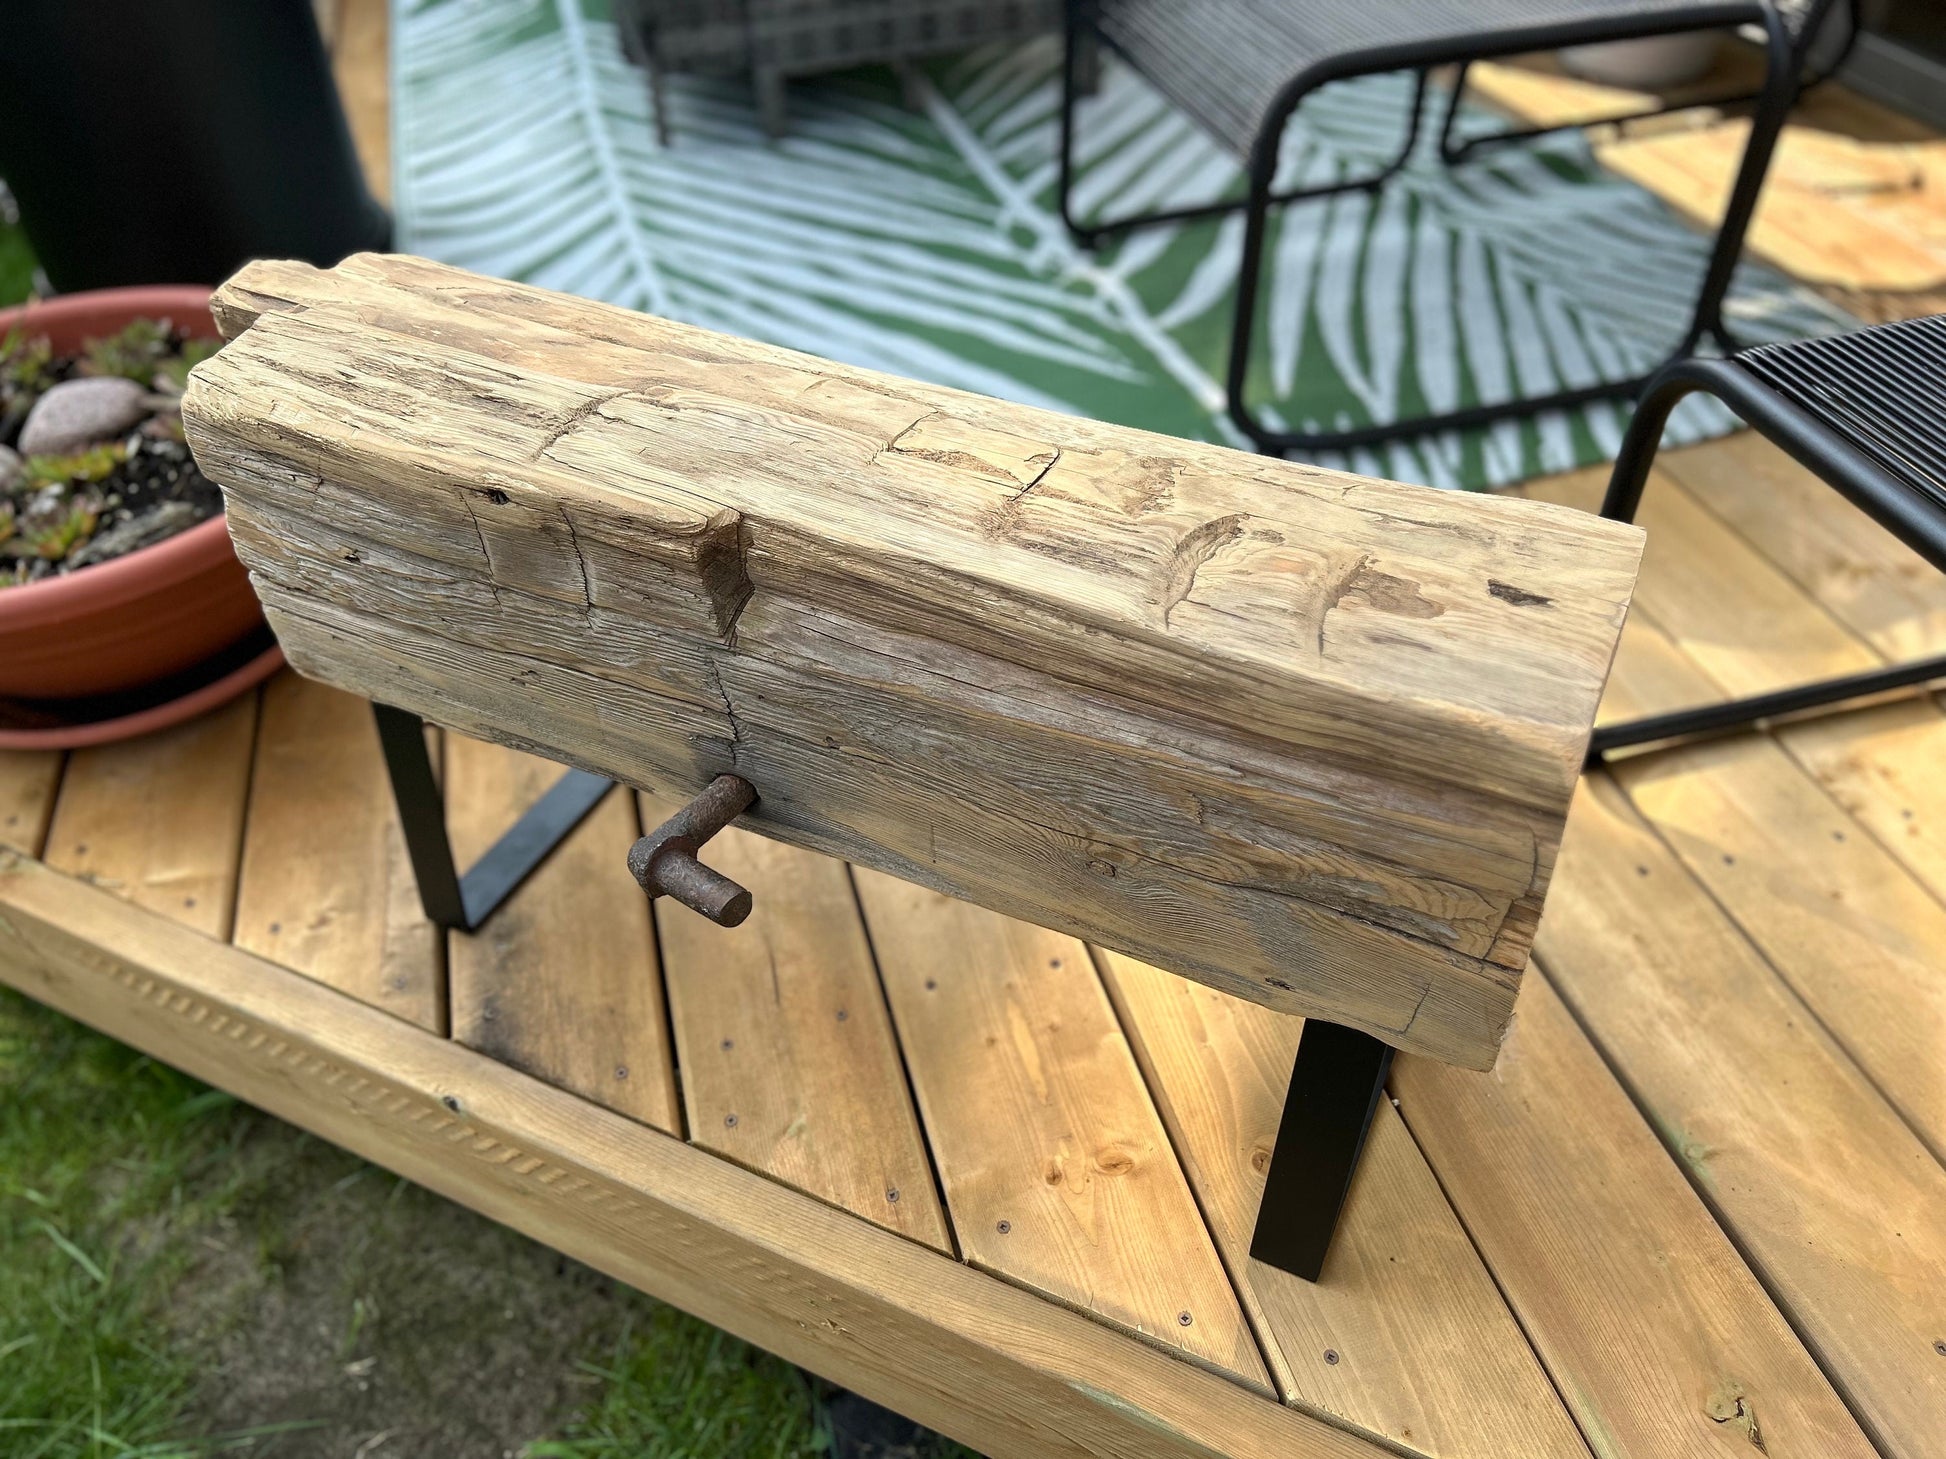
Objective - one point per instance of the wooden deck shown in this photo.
(1004, 1183)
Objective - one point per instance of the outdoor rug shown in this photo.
(925, 240)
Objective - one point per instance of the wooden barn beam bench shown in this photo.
(1302, 736)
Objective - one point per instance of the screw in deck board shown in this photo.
(664, 861)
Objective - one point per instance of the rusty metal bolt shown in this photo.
(664, 861)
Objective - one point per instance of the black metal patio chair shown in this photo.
(1823, 53)
(1865, 412)
(1240, 69)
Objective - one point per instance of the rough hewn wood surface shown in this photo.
(1307, 737)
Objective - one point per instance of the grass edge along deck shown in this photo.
(962, 1352)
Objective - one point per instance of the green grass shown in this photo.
(665, 1394)
(105, 1156)
(181, 1276)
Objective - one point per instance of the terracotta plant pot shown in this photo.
(131, 620)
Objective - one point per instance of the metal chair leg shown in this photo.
(1079, 49)
(1781, 78)
(1832, 461)
(454, 901)
(1337, 1081)
(773, 102)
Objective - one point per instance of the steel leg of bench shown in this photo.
(1337, 1081)
(452, 900)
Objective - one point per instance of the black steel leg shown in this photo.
(1263, 167)
(1337, 1081)
(1452, 155)
(1781, 78)
(451, 900)
(1737, 714)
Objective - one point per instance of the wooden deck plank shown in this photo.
(159, 820)
(972, 1356)
(563, 981)
(1861, 574)
(29, 780)
(1744, 623)
(788, 1059)
(1579, 1210)
(1829, 1195)
(1853, 194)
(1854, 936)
(1836, 915)
(1405, 1336)
(1799, 226)
(325, 886)
(361, 41)
(1881, 764)
(1057, 1171)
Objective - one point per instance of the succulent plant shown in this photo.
(52, 523)
(26, 363)
(174, 373)
(91, 465)
(108, 472)
(135, 353)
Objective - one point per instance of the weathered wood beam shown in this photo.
(1304, 736)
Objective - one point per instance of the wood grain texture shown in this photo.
(563, 981)
(325, 886)
(29, 780)
(1057, 1170)
(1305, 736)
(958, 1350)
(789, 1063)
(1835, 210)
(1823, 899)
(1579, 1210)
(1843, 924)
(159, 820)
(1880, 764)
(1405, 1335)
(1858, 572)
(1827, 1192)
(1852, 200)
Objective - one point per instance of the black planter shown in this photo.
(168, 141)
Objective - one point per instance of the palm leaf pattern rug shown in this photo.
(925, 240)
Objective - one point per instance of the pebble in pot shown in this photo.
(77, 413)
(12, 468)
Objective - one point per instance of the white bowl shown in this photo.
(1650, 64)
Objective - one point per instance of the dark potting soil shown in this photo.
(155, 473)
(155, 493)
